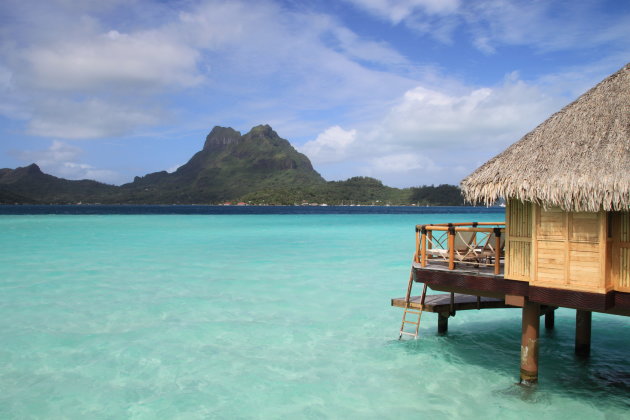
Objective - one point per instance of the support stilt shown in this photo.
(529, 343)
(442, 323)
(550, 319)
(583, 333)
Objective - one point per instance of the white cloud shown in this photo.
(497, 23)
(92, 76)
(173, 168)
(545, 26)
(400, 162)
(88, 119)
(355, 47)
(429, 125)
(432, 119)
(399, 10)
(331, 145)
(112, 60)
(62, 159)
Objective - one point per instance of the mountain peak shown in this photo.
(221, 137)
(31, 169)
(263, 130)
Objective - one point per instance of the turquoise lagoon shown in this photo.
(238, 316)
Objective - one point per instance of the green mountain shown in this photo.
(229, 166)
(258, 167)
(30, 185)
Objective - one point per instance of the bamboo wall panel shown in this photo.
(623, 282)
(624, 227)
(519, 255)
(584, 227)
(620, 264)
(518, 243)
(520, 216)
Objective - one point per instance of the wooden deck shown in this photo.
(442, 303)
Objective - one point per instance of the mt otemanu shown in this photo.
(258, 168)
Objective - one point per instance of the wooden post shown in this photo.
(550, 319)
(529, 343)
(409, 286)
(430, 241)
(451, 248)
(423, 248)
(583, 333)
(442, 322)
(497, 250)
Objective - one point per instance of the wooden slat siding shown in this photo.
(553, 224)
(518, 240)
(570, 250)
(621, 252)
(585, 227)
(585, 264)
(551, 261)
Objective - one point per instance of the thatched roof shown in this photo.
(578, 159)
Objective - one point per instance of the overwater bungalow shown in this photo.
(566, 237)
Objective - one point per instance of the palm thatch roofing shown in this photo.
(578, 159)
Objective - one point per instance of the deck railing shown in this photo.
(477, 244)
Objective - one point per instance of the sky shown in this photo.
(412, 92)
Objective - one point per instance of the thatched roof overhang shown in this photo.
(578, 159)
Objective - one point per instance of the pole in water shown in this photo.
(550, 319)
(583, 333)
(443, 322)
(529, 343)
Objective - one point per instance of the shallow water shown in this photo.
(265, 316)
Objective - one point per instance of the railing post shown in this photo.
(451, 247)
(429, 240)
(423, 248)
(497, 250)
(416, 254)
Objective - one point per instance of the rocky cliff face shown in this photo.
(221, 137)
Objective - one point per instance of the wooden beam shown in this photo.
(515, 300)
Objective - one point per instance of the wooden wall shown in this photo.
(570, 250)
(565, 250)
(620, 251)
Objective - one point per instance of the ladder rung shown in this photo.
(409, 333)
(409, 311)
(411, 322)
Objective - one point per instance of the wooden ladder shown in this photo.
(412, 311)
